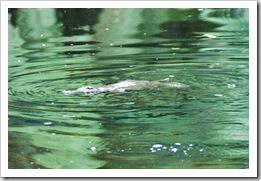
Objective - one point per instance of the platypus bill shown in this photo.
(126, 85)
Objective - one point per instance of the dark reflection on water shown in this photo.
(52, 50)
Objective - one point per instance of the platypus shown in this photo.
(126, 85)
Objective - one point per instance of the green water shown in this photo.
(204, 126)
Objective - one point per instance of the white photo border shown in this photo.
(251, 172)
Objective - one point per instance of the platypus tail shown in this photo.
(176, 85)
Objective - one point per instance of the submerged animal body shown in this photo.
(126, 85)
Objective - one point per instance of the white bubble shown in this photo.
(174, 149)
(175, 48)
(48, 123)
(68, 116)
(209, 36)
(93, 148)
(218, 95)
(231, 85)
(185, 152)
(157, 146)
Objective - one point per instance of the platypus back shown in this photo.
(126, 85)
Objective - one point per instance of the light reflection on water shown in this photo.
(205, 126)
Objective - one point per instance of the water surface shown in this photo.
(204, 126)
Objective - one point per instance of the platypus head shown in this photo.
(87, 89)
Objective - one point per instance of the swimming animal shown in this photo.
(125, 85)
